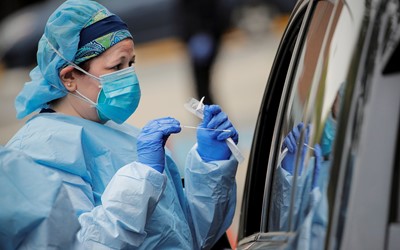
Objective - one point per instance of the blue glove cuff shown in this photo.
(219, 152)
(158, 168)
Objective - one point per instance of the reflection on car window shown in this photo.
(298, 199)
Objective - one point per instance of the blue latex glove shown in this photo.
(211, 144)
(152, 139)
(317, 166)
(291, 143)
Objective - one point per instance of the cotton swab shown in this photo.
(214, 129)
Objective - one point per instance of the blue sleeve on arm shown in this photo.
(210, 189)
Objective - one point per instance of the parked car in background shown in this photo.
(20, 32)
(334, 86)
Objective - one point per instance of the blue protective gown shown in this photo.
(32, 197)
(121, 203)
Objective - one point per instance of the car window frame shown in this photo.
(308, 105)
(301, 14)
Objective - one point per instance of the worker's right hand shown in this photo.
(152, 139)
(211, 144)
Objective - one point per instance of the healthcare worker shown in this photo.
(124, 187)
(311, 201)
(307, 196)
(311, 204)
(306, 182)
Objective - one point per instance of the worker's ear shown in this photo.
(68, 77)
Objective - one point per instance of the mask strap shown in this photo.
(71, 63)
(79, 95)
(83, 98)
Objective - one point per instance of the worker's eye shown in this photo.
(117, 67)
(132, 61)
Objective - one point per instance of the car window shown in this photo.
(306, 132)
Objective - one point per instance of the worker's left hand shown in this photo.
(152, 139)
(211, 144)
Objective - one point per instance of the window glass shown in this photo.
(306, 135)
(307, 131)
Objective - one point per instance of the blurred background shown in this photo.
(180, 46)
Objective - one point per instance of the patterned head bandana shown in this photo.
(100, 33)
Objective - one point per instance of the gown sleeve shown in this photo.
(127, 202)
(210, 189)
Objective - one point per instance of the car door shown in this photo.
(303, 198)
(364, 185)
